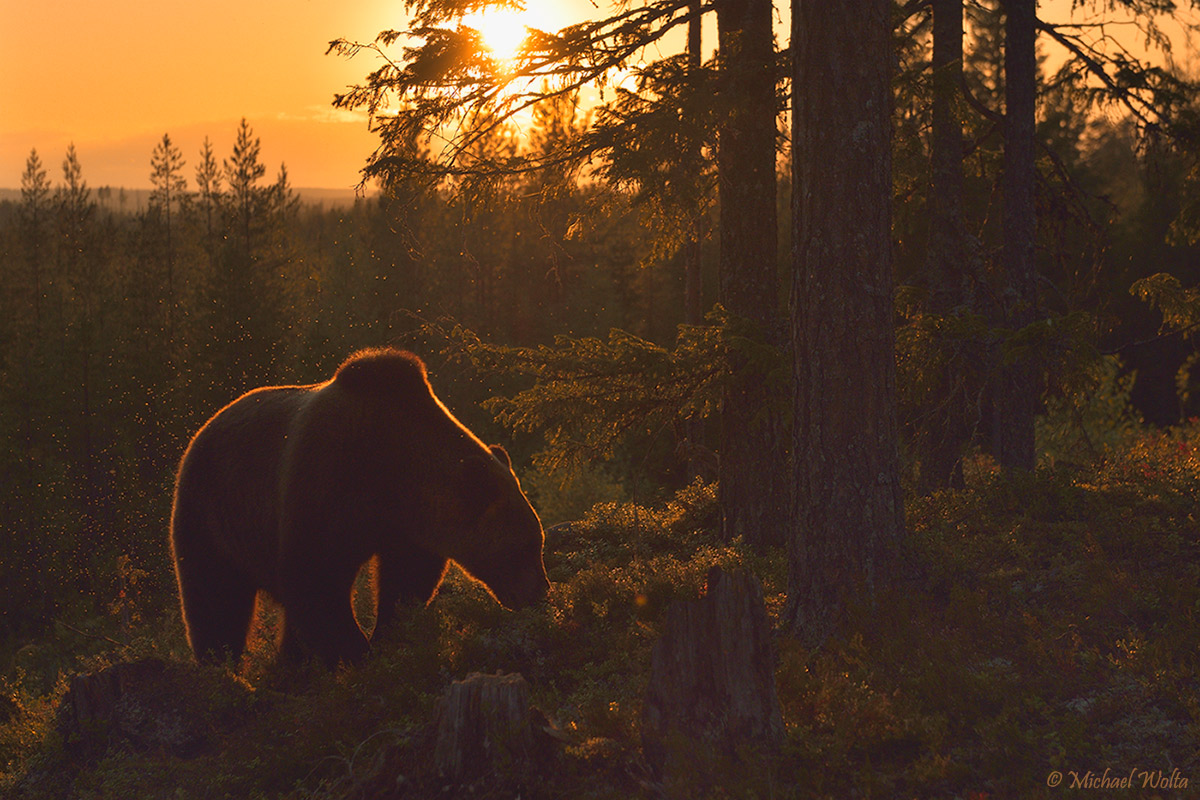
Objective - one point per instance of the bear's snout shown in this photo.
(529, 589)
(540, 593)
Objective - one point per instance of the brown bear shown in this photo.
(291, 489)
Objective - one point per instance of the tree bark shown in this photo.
(944, 429)
(1017, 396)
(754, 492)
(849, 515)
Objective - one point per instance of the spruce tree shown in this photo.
(22, 331)
(170, 187)
(208, 195)
(944, 428)
(246, 199)
(81, 298)
(35, 218)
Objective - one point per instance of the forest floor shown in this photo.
(1045, 636)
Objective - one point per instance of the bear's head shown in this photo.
(470, 504)
(503, 548)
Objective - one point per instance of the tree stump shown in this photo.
(486, 727)
(712, 704)
(146, 705)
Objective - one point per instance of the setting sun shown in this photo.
(503, 31)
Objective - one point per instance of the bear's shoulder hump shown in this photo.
(383, 371)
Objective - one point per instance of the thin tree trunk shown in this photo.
(693, 276)
(849, 515)
(1017, 395)
(754, 492)
(693, 302)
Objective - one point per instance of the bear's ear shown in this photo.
(501, 454)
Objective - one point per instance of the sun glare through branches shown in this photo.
(503, 31)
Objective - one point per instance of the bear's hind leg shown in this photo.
(218, 606)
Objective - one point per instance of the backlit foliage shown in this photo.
(590, 394)
(437, 93)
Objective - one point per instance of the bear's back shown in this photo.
(390, 389)
(229, 475)
(385, 371)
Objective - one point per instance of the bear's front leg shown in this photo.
(408, 575)
(318, 615)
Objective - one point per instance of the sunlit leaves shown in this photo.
(658, 139)
(1180, 307)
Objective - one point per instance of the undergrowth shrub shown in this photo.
(1098, 417)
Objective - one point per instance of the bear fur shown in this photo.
(291, 489)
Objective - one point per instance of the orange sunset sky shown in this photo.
(113, 75)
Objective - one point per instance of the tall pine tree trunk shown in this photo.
(754, 491)
(849, 516)
(944, 430)
(693, 293)
(1017, 395)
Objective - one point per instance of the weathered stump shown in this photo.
(486, 726)
(146, 705)
(711, 705)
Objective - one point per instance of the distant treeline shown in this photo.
(134, 201)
